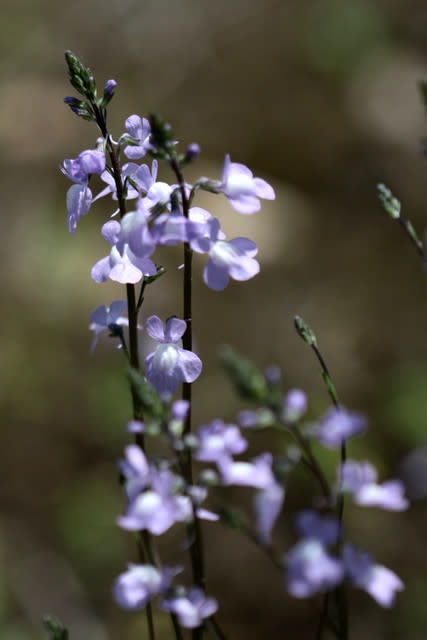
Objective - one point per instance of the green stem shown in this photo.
(340, 592)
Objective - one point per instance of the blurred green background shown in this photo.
(320, 98)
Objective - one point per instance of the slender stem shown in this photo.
(217, 628)
(340, 592)
(176, 627)
(187, 339)
(196, 548)
(412, 234)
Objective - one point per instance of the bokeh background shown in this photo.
(320, 98)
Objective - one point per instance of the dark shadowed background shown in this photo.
(320, 98)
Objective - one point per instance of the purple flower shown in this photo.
(381, 583)
(159, 505)
(337, 426)
(102, 317)
(157, 508)
(79, 196)
(109, 87)
(217, 440)
(135, 470)
(139, 128)
(359, 478)
(79, 199)
(169, 365)
(267, 505)
(179, 410)
(132, 244)
(310, 568)
(190, 607)
(141, 582)
(234, 259)
(242, 189)
(257, 473)
(294, 405)
(87, 162)
(136, 179)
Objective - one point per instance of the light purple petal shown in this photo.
(189, 365)
(155, 329)
(263, 189)
(215, 276)
(244, 245)
(111, 231)
(268, 504)
(79, 199)
(100, 272)
(244, 268)
(246, 204)
(174, 329)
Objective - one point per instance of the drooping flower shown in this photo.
(139, 128)
(87, 162)
(360, 479)
(190, 606)
(242, 189)
(135, 471)
(79, 196)
(233, 259)
(134, 588)
(103, 317)
(337, 426)
(381, 583)
(169, 365)
(268, 503)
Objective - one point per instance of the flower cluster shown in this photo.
(163, 492)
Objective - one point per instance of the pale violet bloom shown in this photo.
(128, 261)
(137, 180)
(257, 473)
(79, 200)
(217, 440)
(267, 506)
(135, 471)
(159, 194)
(180, 409)
(157, 507)
(139, 583)
(360, 479)
(103, 317)
(337, 426)
(169, 364)
(234, 259)
(294, 405)
(87, 162)
(242, 189)
(381, 583)
(79, 196)
(139, 128)
(310, 568)
(190, 606)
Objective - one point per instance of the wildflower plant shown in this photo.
(160, 493)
